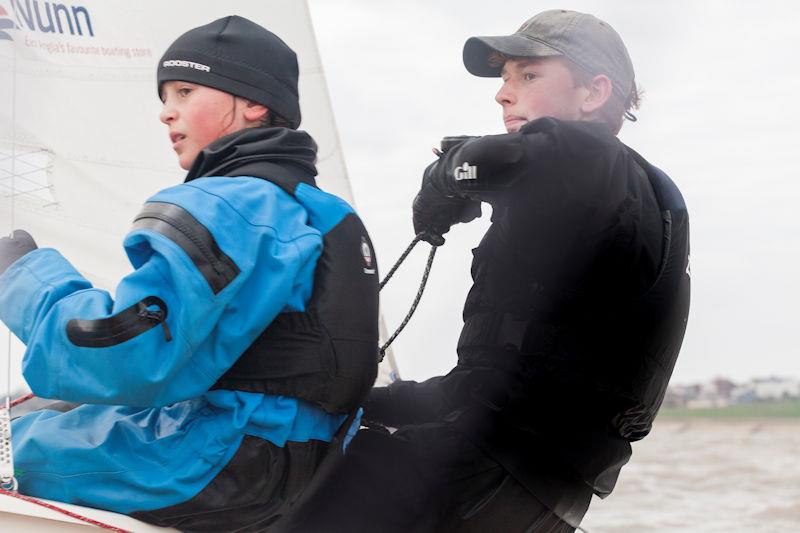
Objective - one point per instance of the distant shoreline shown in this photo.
(786, 410)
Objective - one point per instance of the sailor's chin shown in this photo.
(185, 161)
(513, 126)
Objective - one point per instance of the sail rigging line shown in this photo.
(421, 289)
(36, 151)
(23, 193)
(18, 158)
(13, 202)
(7, 478)
(30, 194)
(12, 175)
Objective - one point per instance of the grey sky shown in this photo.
(719, 115)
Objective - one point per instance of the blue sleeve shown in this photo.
(261, 231)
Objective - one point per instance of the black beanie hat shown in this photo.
(240, 57)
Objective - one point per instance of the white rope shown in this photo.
(7, 479)
(13, 188)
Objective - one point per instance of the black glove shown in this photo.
(436, 207)
(406, 402)
(14, 247)
(376, 404)
(434, 213)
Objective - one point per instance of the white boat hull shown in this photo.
(20, 516)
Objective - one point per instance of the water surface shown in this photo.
(696, 475)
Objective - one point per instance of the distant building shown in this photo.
(710, 395)
(775, 388)
(721, 392)
(681, 395)
(723, 387)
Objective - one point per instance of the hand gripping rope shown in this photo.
(422, 284)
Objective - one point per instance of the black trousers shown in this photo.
(253, 491)
(425, 478)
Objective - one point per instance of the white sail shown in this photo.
(79, 132)
(81, 146)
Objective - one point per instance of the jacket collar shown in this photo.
(259, 152)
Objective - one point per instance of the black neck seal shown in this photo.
(281, 155)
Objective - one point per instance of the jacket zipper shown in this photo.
(158, 316)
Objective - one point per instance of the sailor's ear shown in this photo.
(255, 112)
(599, 92)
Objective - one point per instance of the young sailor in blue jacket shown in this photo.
(213, 381)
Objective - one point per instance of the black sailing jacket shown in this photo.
(576, 315)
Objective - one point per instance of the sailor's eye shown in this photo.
(529, 76)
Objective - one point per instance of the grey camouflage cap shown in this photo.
(582, 38)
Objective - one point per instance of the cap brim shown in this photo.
(478, 49)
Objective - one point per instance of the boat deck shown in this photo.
(20, 516)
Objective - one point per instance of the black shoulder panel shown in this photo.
(669, 197)
(178, 225)
(667, 193)
(121, 327)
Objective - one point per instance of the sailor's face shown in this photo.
(536, 88)
(196, 116)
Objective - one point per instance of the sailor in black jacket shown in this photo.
(575, 318)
